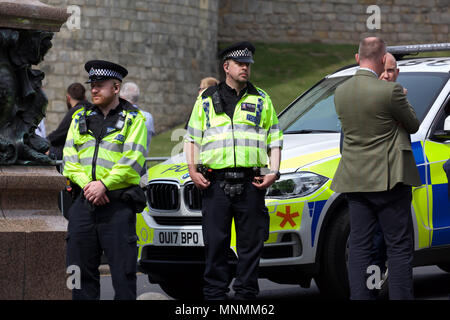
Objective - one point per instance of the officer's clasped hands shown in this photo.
(95, 192)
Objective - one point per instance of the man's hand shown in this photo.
(199, 180)
(263, 182)
(95, 192)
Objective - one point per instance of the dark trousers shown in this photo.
(252, 227)
(392, 209)
(378, 253)
(112, 229)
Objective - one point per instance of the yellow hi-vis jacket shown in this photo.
(239, 142)
(117, 159)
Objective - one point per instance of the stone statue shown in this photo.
(26, 31)
(22, 101)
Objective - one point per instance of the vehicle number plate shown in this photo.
(178, 238)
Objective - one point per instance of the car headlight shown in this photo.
(297, 184)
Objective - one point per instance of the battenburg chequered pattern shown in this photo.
(239, 54)
(105, 73)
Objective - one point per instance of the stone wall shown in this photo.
(335, 21)
(169, 45)
(166, 45)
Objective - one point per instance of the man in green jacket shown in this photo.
(377, 170)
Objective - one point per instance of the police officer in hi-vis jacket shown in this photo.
(104, 156)
(233, 134)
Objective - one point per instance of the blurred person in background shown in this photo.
(75, 99)
(130, 92)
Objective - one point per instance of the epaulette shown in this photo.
(78, 112)
(209, 91)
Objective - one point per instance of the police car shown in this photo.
(309, 223)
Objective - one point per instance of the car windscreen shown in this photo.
(315, 112)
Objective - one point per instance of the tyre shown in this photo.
(333, 278)
(183, 289)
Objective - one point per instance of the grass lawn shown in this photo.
(284, 71)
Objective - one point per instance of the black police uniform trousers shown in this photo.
(110, 228)
(392, 209)
(252, 228)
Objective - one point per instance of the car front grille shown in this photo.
(192, 197)
(163, 196)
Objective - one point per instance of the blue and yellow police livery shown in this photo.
(309, 223)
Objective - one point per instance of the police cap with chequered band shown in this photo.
(100, 70)
(241, 52)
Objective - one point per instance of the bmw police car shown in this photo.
(309, 224)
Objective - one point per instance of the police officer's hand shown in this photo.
(263, 182)
(95, 192)
(199, 180)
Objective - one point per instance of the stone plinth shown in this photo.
(32, 234)
(31, 14)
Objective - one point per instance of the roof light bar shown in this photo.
(416, 48)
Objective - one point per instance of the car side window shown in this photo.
(437, 128)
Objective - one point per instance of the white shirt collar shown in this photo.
(368, 69)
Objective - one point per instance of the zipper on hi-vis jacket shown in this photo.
(119, 126)
(234, 149)
(94, 160)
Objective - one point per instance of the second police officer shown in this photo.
(233, 134)
(104, 156)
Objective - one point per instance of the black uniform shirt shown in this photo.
(101, 125)
(230, 98)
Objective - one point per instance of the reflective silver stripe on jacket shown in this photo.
(194, 132)
(73, 158)
(131, 146)
(100, 162)
(132, 163)
(228, 143)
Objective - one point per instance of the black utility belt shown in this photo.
(134, 196)
(234, 174)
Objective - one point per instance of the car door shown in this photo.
(437, 151)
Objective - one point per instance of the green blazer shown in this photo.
(376, 122)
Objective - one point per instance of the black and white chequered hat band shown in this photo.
(105, 73)
(239, 54)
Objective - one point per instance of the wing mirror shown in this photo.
(443, 135)
(447, 124)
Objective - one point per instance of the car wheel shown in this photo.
(333, 279)
(182, 289)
